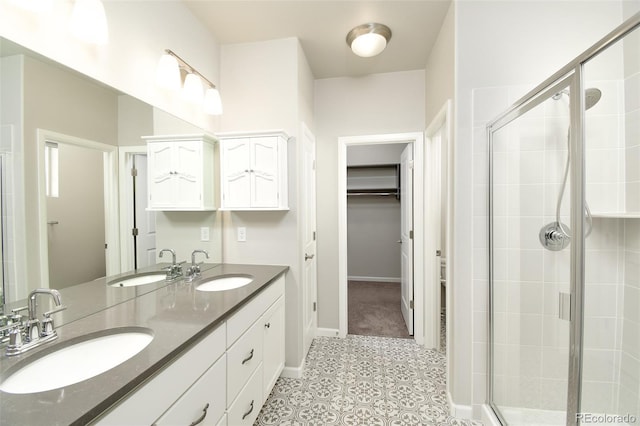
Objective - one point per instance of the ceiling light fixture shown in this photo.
(170, 72)
(369, 39)
(89, 22)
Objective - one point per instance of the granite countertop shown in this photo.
(178, 315)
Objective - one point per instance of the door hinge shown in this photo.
(134, 172)
(314, 306)
(411, 234)
(314, 235)
(106, 246)
(411, 304)
(134, 232)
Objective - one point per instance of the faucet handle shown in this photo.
(54, 310)
(47, 322)
(15, 317)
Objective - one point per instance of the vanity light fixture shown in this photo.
(169, 74)
(89, 22)
(369, 39)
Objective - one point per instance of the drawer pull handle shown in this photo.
(204, 414)
(248, 412)
(268, 325)
(248, 358)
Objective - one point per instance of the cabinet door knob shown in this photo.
(268, 325)
(247, 359)
(308, 256)
(204, 414)
(248, 412)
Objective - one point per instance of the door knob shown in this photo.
(308, 256)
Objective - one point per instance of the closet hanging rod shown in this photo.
(361, 194)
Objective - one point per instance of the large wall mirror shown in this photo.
(68, 199)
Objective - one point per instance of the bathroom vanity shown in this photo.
(213, 358)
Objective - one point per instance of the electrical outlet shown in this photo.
(204, 233)
(242, 233)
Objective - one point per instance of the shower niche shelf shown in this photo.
(616, 215)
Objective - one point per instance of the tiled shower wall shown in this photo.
(531, 342)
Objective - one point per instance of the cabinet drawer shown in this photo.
(245, 409)
(247, 315)
(243, 358)
(205, 398)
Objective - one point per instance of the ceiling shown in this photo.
(322, 27)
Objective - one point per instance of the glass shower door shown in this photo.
(530, 263)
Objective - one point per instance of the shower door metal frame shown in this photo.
(573, 74)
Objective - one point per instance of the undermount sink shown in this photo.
(76, 362)
(225, 282)
(138, 279)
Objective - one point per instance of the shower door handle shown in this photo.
(564, 306)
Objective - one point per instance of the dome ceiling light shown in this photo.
(369, 39)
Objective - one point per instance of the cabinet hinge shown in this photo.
(134, 172)
(314, 306)
(411, 234)
(314, 235)
(411, 305)
(134, 232)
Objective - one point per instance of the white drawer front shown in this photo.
(204, 403)
(245, 409)
(241, 320)
(243, 358)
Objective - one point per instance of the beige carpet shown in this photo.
(374, 309)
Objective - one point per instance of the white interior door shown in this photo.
(406, 235)
(145, 221)
(309, 237)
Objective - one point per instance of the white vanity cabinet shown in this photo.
(223, 380)
(253, 169)
(180, 172)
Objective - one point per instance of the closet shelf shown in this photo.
(373, 180)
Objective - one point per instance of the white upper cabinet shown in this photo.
(181, 172)
(253, 169)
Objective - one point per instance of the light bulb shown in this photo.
(368, 45)
(193, 90)
(168, 72)
(212, 102)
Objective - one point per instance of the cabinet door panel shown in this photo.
(235, 178)
(273, 356)
(264, 176)
(188, 158)
(160, 166)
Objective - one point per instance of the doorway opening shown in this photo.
(374, 188)
(77, 210)
(379, 221)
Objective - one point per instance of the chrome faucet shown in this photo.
(34, 333)
(194, 269)
(175, 270)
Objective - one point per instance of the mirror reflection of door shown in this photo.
(144, 221)
(75, 214)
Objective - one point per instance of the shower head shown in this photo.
(591, 96)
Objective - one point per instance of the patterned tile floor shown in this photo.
(364, 380)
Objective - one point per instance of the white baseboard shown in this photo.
(458, 410)
(327, 332)
(375, 279)
(293, 372)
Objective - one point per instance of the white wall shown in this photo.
(523, 44)
(268, 85)
(373, 104)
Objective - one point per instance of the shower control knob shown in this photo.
(553, 238)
